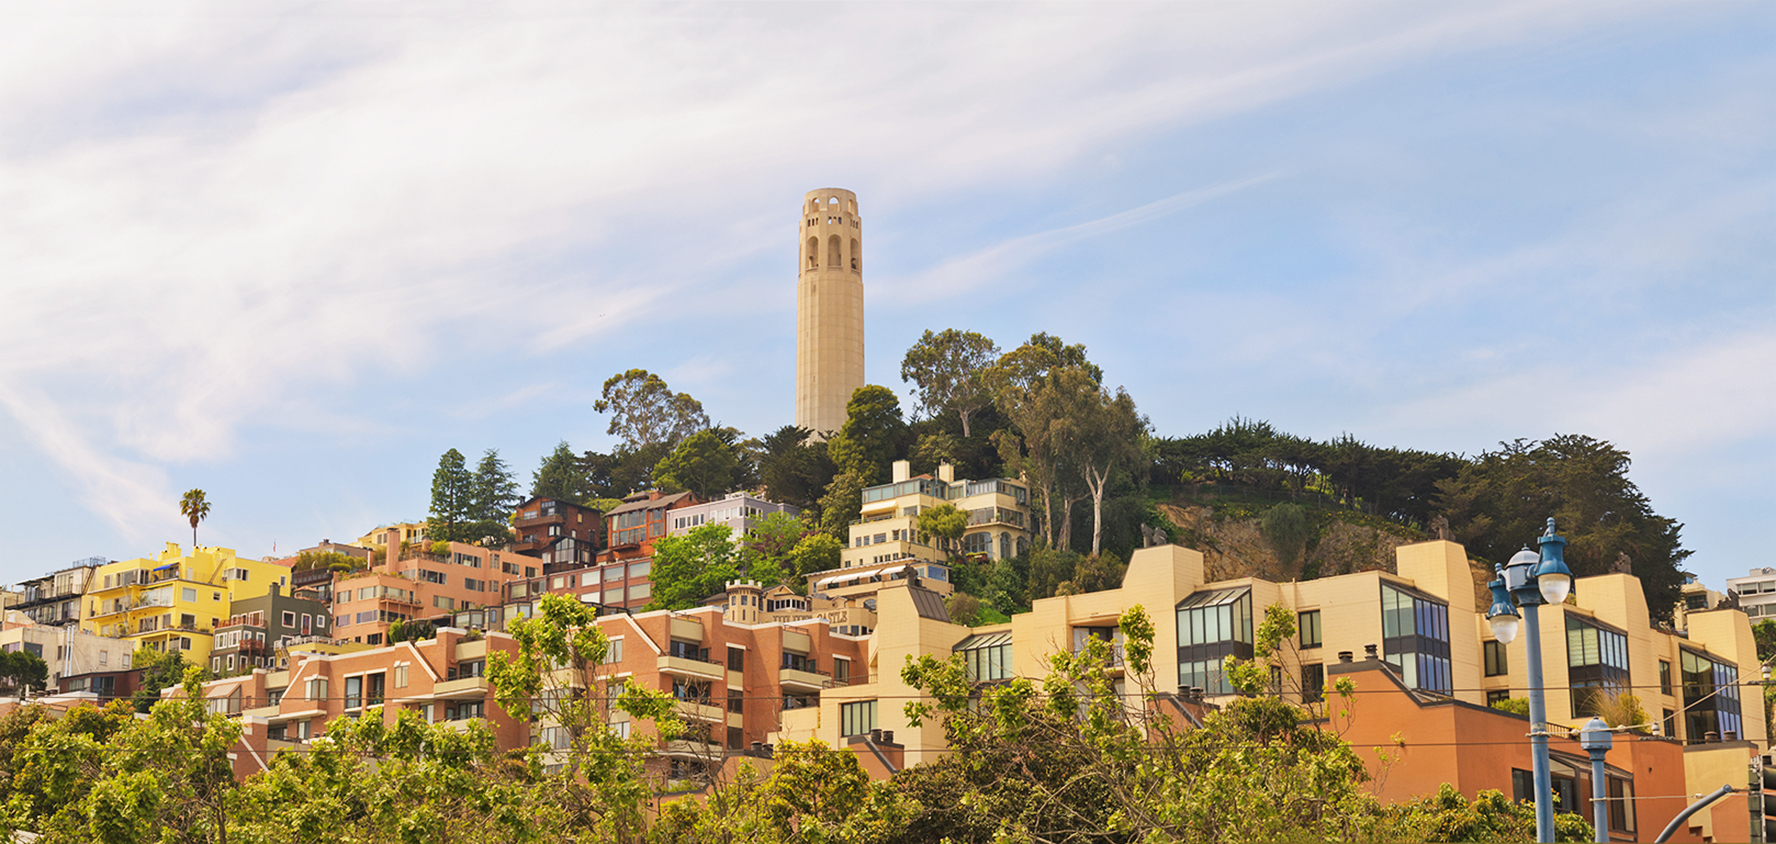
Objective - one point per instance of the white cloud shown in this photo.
(206, 218)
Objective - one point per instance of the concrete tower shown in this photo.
(829, 309)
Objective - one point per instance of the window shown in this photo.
(1309, 624)
(857, 718)
(687, 650)
(401, 675)
(987, 655)
(1497, 695)
(736, 701)
(1597, 664)
(1415, 638)
(443, 603)
(640, 569)
(1494, 652)
(376, 689)
(841, 670)
(736, 659)
(799, 662)
(640, 591)
(317, 688)
(289, 619)
(1621, 805)
(188, 594)
(1711, 697)
(430, 576)
(590, 577)
(974, 543)
(1664, 676)
(1313, 683)
(613, 596)
(354, 692)
(1212, 626)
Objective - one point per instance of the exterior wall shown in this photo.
(67, 650)
(738, 511)
(1429, 741)
(1757, 593)
(406, 587)
(257, 629)
(410, 532)
(829, 309)
(184, 597)
(1708, 767)
(562, 534)
(55, 598)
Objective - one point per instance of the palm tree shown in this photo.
(195, 508)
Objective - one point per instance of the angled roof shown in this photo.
(928, 603)
(648, 503)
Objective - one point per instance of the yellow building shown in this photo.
(409, 532)
(885, 544)
(1425, 621)
(174, 600)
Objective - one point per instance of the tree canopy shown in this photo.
(707, 463)
(947, 368)
(644, 411)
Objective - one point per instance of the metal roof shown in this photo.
(983, 640)
(1214, 597)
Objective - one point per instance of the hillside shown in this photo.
(1231, 537)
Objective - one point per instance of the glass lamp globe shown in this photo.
(1555, 587)
(1525, 557)
(1504, 628)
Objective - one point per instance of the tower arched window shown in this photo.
(832, 252)
(813, 252)
(856, 256)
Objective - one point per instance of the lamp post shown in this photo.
(1528, 581)
(1596, 740)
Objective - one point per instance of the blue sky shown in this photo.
(292, 255)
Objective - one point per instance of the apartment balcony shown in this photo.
(467, 688)
(685, 666)
(798, 680)
(693, 748)
(699, 710)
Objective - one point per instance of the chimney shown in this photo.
(1344, 656)
(1710, 737)
(946, 473)
(875, 736)
(902, 470)
(1369, 652)
(887, 736)
(1731, 735)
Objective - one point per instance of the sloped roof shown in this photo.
(929, 604)
(648, 503)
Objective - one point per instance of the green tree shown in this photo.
(1110, 441)
(23, 671)
(160, 670)
(1044, 389)
(706, 463)
(644, 411)
(946, 522)
(493, 493)
(690, 567)
(1583, 483)
(1287, 528)
(195, 508)
(1490, 817)
(560, 477)
(814, 552)
(946, 368)
(872, 436)
(453, 495)
(559, 677)
(841, 505)
(795, 468)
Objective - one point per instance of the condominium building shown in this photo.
(55, 598)
(68, 651)
(416, 584)
(175, 600)
(1757, 593)
(259, 626)
(1421, 627)
(631, 528)
(561, 533)
(738, 510)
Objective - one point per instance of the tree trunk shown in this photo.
(1098, 484)
(1065, 537)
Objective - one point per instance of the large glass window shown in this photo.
(1212, 626)
(857, 718)
(1415, 638)
(1596, 664)
(1710, 697)
(987, 655)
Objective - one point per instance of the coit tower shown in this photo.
(829, 309)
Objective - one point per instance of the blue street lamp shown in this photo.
(1530, 580)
